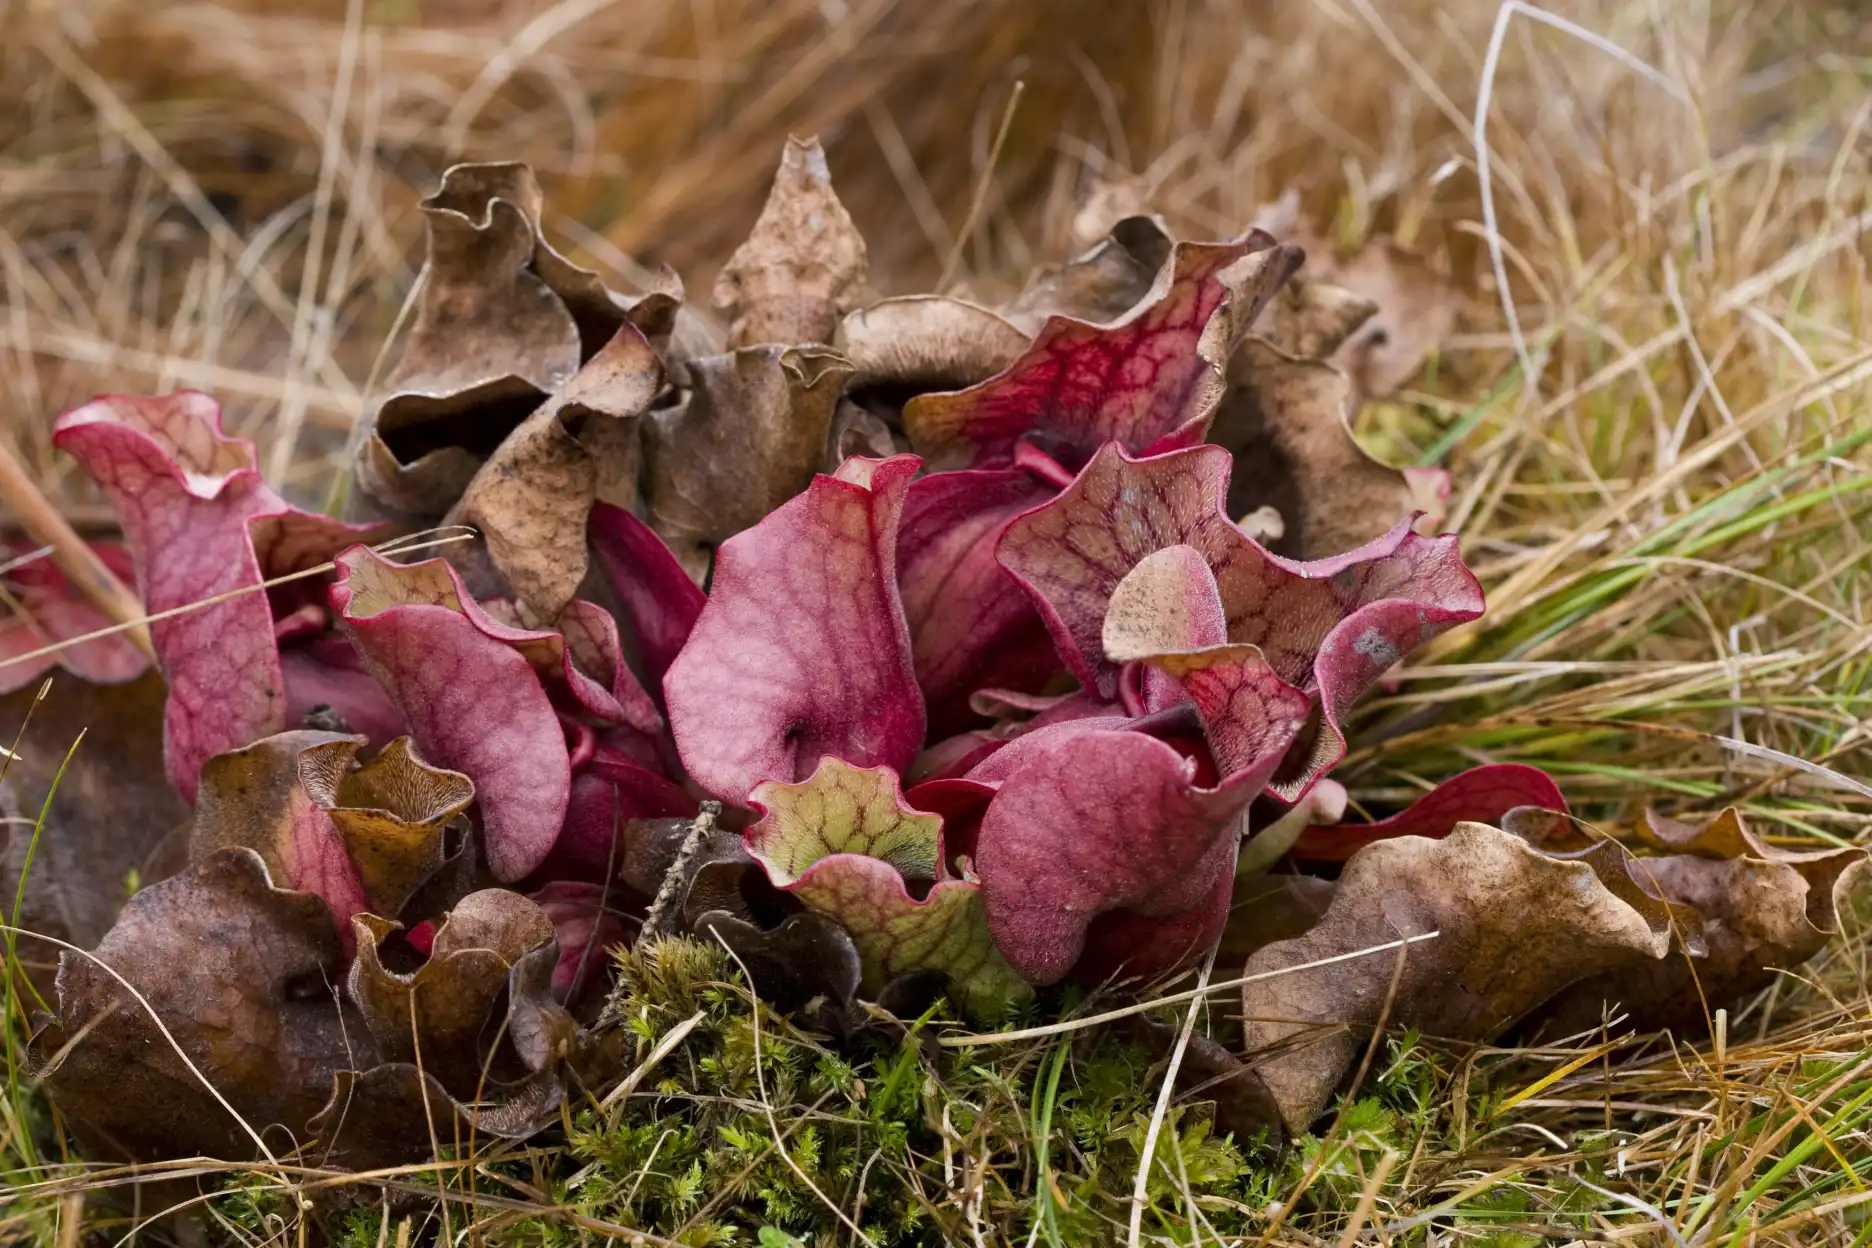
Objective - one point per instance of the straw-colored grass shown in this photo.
(1661, 474)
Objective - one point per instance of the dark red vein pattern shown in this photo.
(1329, 627)
(1136, 381)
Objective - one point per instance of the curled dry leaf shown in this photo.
(846, 844)
(658, 309)
(541, 1031)
(439, 1014)
(750, 435)
(1416, 305)
(1417, 310)
(393, 812)
(915, 343)
(1514, 927)
(241, 974)
(255, 798)
(802, 265)
(1107, 197)
(805, 959)
(360, 837)
(244, 975)
(396, 1114)
(532, 498)
(1757, 910)
(795, 957)
(1102, 284)
(459, 873)
(718, 875)
(204, 527)
(1286, 421)
(114, 822)
(502, 321)
(857, 431)
(1723, 837)
(1310, 319)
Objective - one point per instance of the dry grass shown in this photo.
(1661, 463)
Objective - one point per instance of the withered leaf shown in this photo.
(1514, 928)
(470, 191)
(716, 875)
(531, 499)
(1721, 838)
(114, 816)
(437, 1014)
(392, 812)
(927, 342)
(656, 310)
(750, 436)
(1416, 305)
(502, 320)
(1106, 198)
(460, 873)
(571, 972)
(651, 847)
(243, 976)
(1754, 910)
(254, 798)
(398, 1112)
(857, 431)
(1244, 1108)
(1100, 285)
(802, 264)
(395, 1114)
(1416, 312)
(1312, 319)
(807, 959)
(1287, 422)
(360, 837)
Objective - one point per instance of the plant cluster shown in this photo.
(897, 647)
